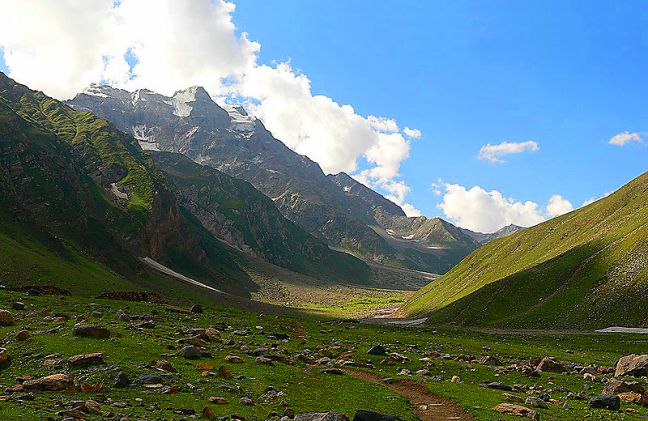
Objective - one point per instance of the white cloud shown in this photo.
(412, 133)
(176, 44)
(488, 211)
(558, 205)
(410, 210)
(623, 138)
(493, 153)
(594, 199)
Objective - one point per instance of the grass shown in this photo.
(580, 270)
(305, 387)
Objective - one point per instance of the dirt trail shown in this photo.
(427, 406)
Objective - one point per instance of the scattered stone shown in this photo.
(497, 385)
(377, 350)
(631, 397)
(83, 359)
(455, 379)
(196, 309)
(224, 372)
(548, 364)
(362, 415)
(6, 318)
(91, 407)
(235, 359)
(208, 413)
(97, 332)
(246, 401)
(279, 336)
(55, 382)
(190, 352)
(151, 379)
(535, 402)
(611, 402)
(164, 365)
(217, 400)
(632, 365)
(17, 305)
(489, 360)
(335, 371)
(22, 335)
(121, 380)
(517, 410)
(4, 355)
(321, 416)
(263, 360)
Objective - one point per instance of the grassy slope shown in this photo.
(306, 388)
(581, 270)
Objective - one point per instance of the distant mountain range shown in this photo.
(335, 208)
(585, 269)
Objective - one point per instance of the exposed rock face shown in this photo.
(336, 209)
(632, 365)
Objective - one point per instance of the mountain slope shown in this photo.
(238, 214)
(88, 197)
(585, 269)
(190, 123)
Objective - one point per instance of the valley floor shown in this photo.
(177, 364)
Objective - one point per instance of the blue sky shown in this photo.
(569, 75)
(566, 75)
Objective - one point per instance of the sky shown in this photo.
(483, 113)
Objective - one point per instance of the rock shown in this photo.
(631, 397)
(97, 332)
(217, 400)
(362, 415)
(455, 379)
(535, 402)
(616, 386)
(190, 352)
(632, 365)
(91, 407)
(321, 416)
(497, 385)
(82, 359)
(548, 364)
(611, 402)
(196, 309)
(335, 371)
(263, 360)
(224, 372)
(279, 336)
(489, 360)
(151, 379)
(55, 382)
(17, 305)
(121, 380)
(512, 397)
(377, 350)
(6, 318)
(164, 365)
(22, 335)
(4, 355)
(246, 401)
(235, 359)
(208, 413)
(518, 410)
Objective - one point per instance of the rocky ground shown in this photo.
(65, 357)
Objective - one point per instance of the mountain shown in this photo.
(584, 269)
(84, 208)
(336, 209)
(482, 238)
(241, 216)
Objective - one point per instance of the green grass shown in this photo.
(580, 270)
(306, 388)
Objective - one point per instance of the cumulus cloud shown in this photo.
(487, 211)
(493, 153)
(168, 45)
(594, 199)
(624, 138)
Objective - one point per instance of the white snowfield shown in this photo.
(161, 268)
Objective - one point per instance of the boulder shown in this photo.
(536, 402)
(82, 359)
(190, 352)
(97, 332)
(6, 318)
(631, 397)
(489, 360)
(616, 386)
(121, 380)
(235, 359)
(611, 402)
(373, 416)
(55, 382)
(548, 364)
(517, 410)
(632, 365)
(377, 350)
(321, 416)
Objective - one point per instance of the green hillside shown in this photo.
(585, 269)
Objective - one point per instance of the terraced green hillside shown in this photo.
(585, 269)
